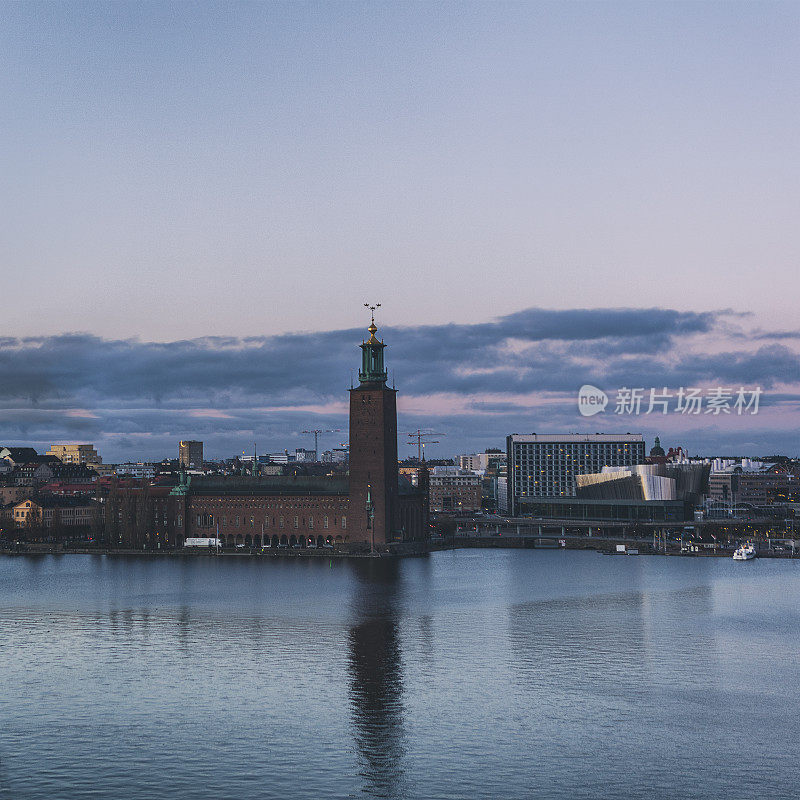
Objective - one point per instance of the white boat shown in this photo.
(744, 552)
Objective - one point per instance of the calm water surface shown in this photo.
(467, 674)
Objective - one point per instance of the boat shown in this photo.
(744, 552)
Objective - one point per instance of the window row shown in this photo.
(209, 521)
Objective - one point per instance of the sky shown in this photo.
(199, 198)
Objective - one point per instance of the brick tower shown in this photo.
(373, 449)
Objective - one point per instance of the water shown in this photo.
(467, 674)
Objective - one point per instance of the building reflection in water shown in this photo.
(376, 678)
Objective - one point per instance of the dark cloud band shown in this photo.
(79, 385)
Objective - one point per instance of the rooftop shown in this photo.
(570, 438)
(270, 485)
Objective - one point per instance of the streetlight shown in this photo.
(371, 517)
(460, 504)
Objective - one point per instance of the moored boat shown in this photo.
(744, 552)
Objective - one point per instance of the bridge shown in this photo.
(709, 534)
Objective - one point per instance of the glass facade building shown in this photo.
(546, 465)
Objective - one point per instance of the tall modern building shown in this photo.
(190, 455)
(546, 465)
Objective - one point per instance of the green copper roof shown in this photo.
(372, 368)
(182, 488)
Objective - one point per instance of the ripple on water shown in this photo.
(465, 674)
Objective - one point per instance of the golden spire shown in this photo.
(372, 327)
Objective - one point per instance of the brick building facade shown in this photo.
(374, 478)
(755, 488)
(455, 490)
(265, 511)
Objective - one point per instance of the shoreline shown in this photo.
(409, 550)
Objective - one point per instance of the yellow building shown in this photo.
(27, 514)
(75, 453)
(54, 512)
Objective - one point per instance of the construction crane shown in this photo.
(422, 438)
(317, 432)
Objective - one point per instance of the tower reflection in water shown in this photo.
(376, 679)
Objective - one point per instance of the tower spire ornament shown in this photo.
(372, 327)
(372, 368)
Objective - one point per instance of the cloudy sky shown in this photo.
(473, 382)
(198, 199)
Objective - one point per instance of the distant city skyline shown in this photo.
(174, 171)
(475, 382)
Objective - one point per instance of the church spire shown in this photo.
(372, 367)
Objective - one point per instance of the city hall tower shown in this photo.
(374, 507)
